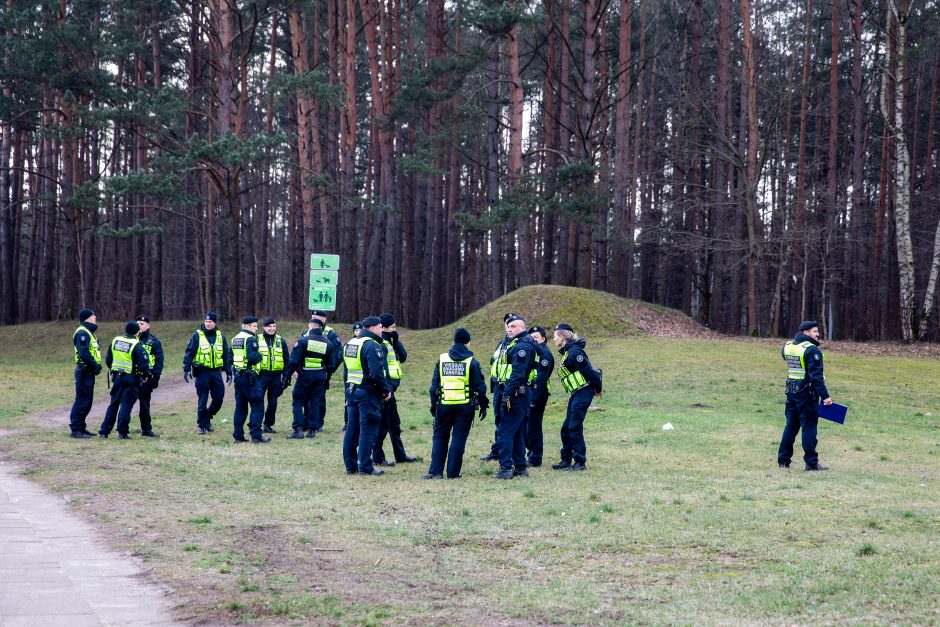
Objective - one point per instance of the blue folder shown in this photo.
(834, 412)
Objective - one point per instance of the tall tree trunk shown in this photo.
(749, 76)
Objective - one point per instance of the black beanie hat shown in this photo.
(249, 319)
(269, 321)
(808, 324)
(387, 319)
(461, 336)
(85, 314)
(211, 315)
(131, 328)
(371, 321)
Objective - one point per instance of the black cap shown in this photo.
(461, 336)
(387, 319)
(211, 315)
(563, 326)
(318, 312)
(371, 321)
(131, 328)
(357, 325)
(142, 319)
(513, 318)
(808, 324)
(316, 323)
(85, 314)
(269, 321)
(507, 317)
(249, 319)
(537, 329)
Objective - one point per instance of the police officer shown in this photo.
(309, 358)
(541, 389)
(335, 359)
(87, 367)
(367, 388)
(207, 355)
(246, 362)
(583, 383)
(391, 420)
(356, 329)
(274, 352)
(129, 364)
(805, 386)
(514, 398)
(457, 388)
(154, 348)
(497, 361)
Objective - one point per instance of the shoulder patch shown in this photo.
(297, 343)
(816, 357)
(82, 338)
(522, 353)
(544, 362)
(378, 352)
(579, 358)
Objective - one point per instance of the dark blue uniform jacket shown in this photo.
(459, 352)
(814, 367)
(576, 359)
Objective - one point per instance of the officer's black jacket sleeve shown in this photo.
(252, 354)
(190, 353)
(296, 361)
(477, 382)
(108, 359)
(577, 359)
(814, 371)
(141, 361)
(435, 390)
(157, 349)
(376, 366)
(227, 352)
(82, 342)
(400, 351)
(521, 357)
(335, 350)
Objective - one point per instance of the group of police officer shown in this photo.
(262, 368)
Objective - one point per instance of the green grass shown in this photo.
(691, 525)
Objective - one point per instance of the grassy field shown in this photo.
(695, 525)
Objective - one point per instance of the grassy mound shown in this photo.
(590, 312)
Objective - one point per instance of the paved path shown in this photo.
(54, 571)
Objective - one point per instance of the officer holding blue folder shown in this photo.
(805, 386)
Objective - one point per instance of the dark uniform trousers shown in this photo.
(124, 394)
(248, 393)
(145, 393)
(390, 426)
(801, 412)
(308, 390)
(533, 430)
(573, 446)
(208, 383)
(365, 409)
(498, 410)
(270, 381)
(316, 406)
(84, 395)
(510, 434)
(456, 418)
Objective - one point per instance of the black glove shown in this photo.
(483, 412)
(97, 369)
(186, 376)
(433, 410)
(393, 336)
(154, 382)
(228, 378)
(285, 383)
(327, 384)
(484, 402)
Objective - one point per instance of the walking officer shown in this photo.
(206, 356)
(246, 362)
(583, 383)
(335, 358)
(87, 367)
(129, 364)
(356, 330)
(457, 389)
(539, 384)
(514, 398)
(309, 358)
(806, 385)
(274, 352)
(367, 388)
(154, 348)
(391, 420)
(497, 362)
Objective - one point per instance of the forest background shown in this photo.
(752, 164)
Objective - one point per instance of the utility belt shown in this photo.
(244, 371)
(519, 392)
(365, 387)
(198, 369)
